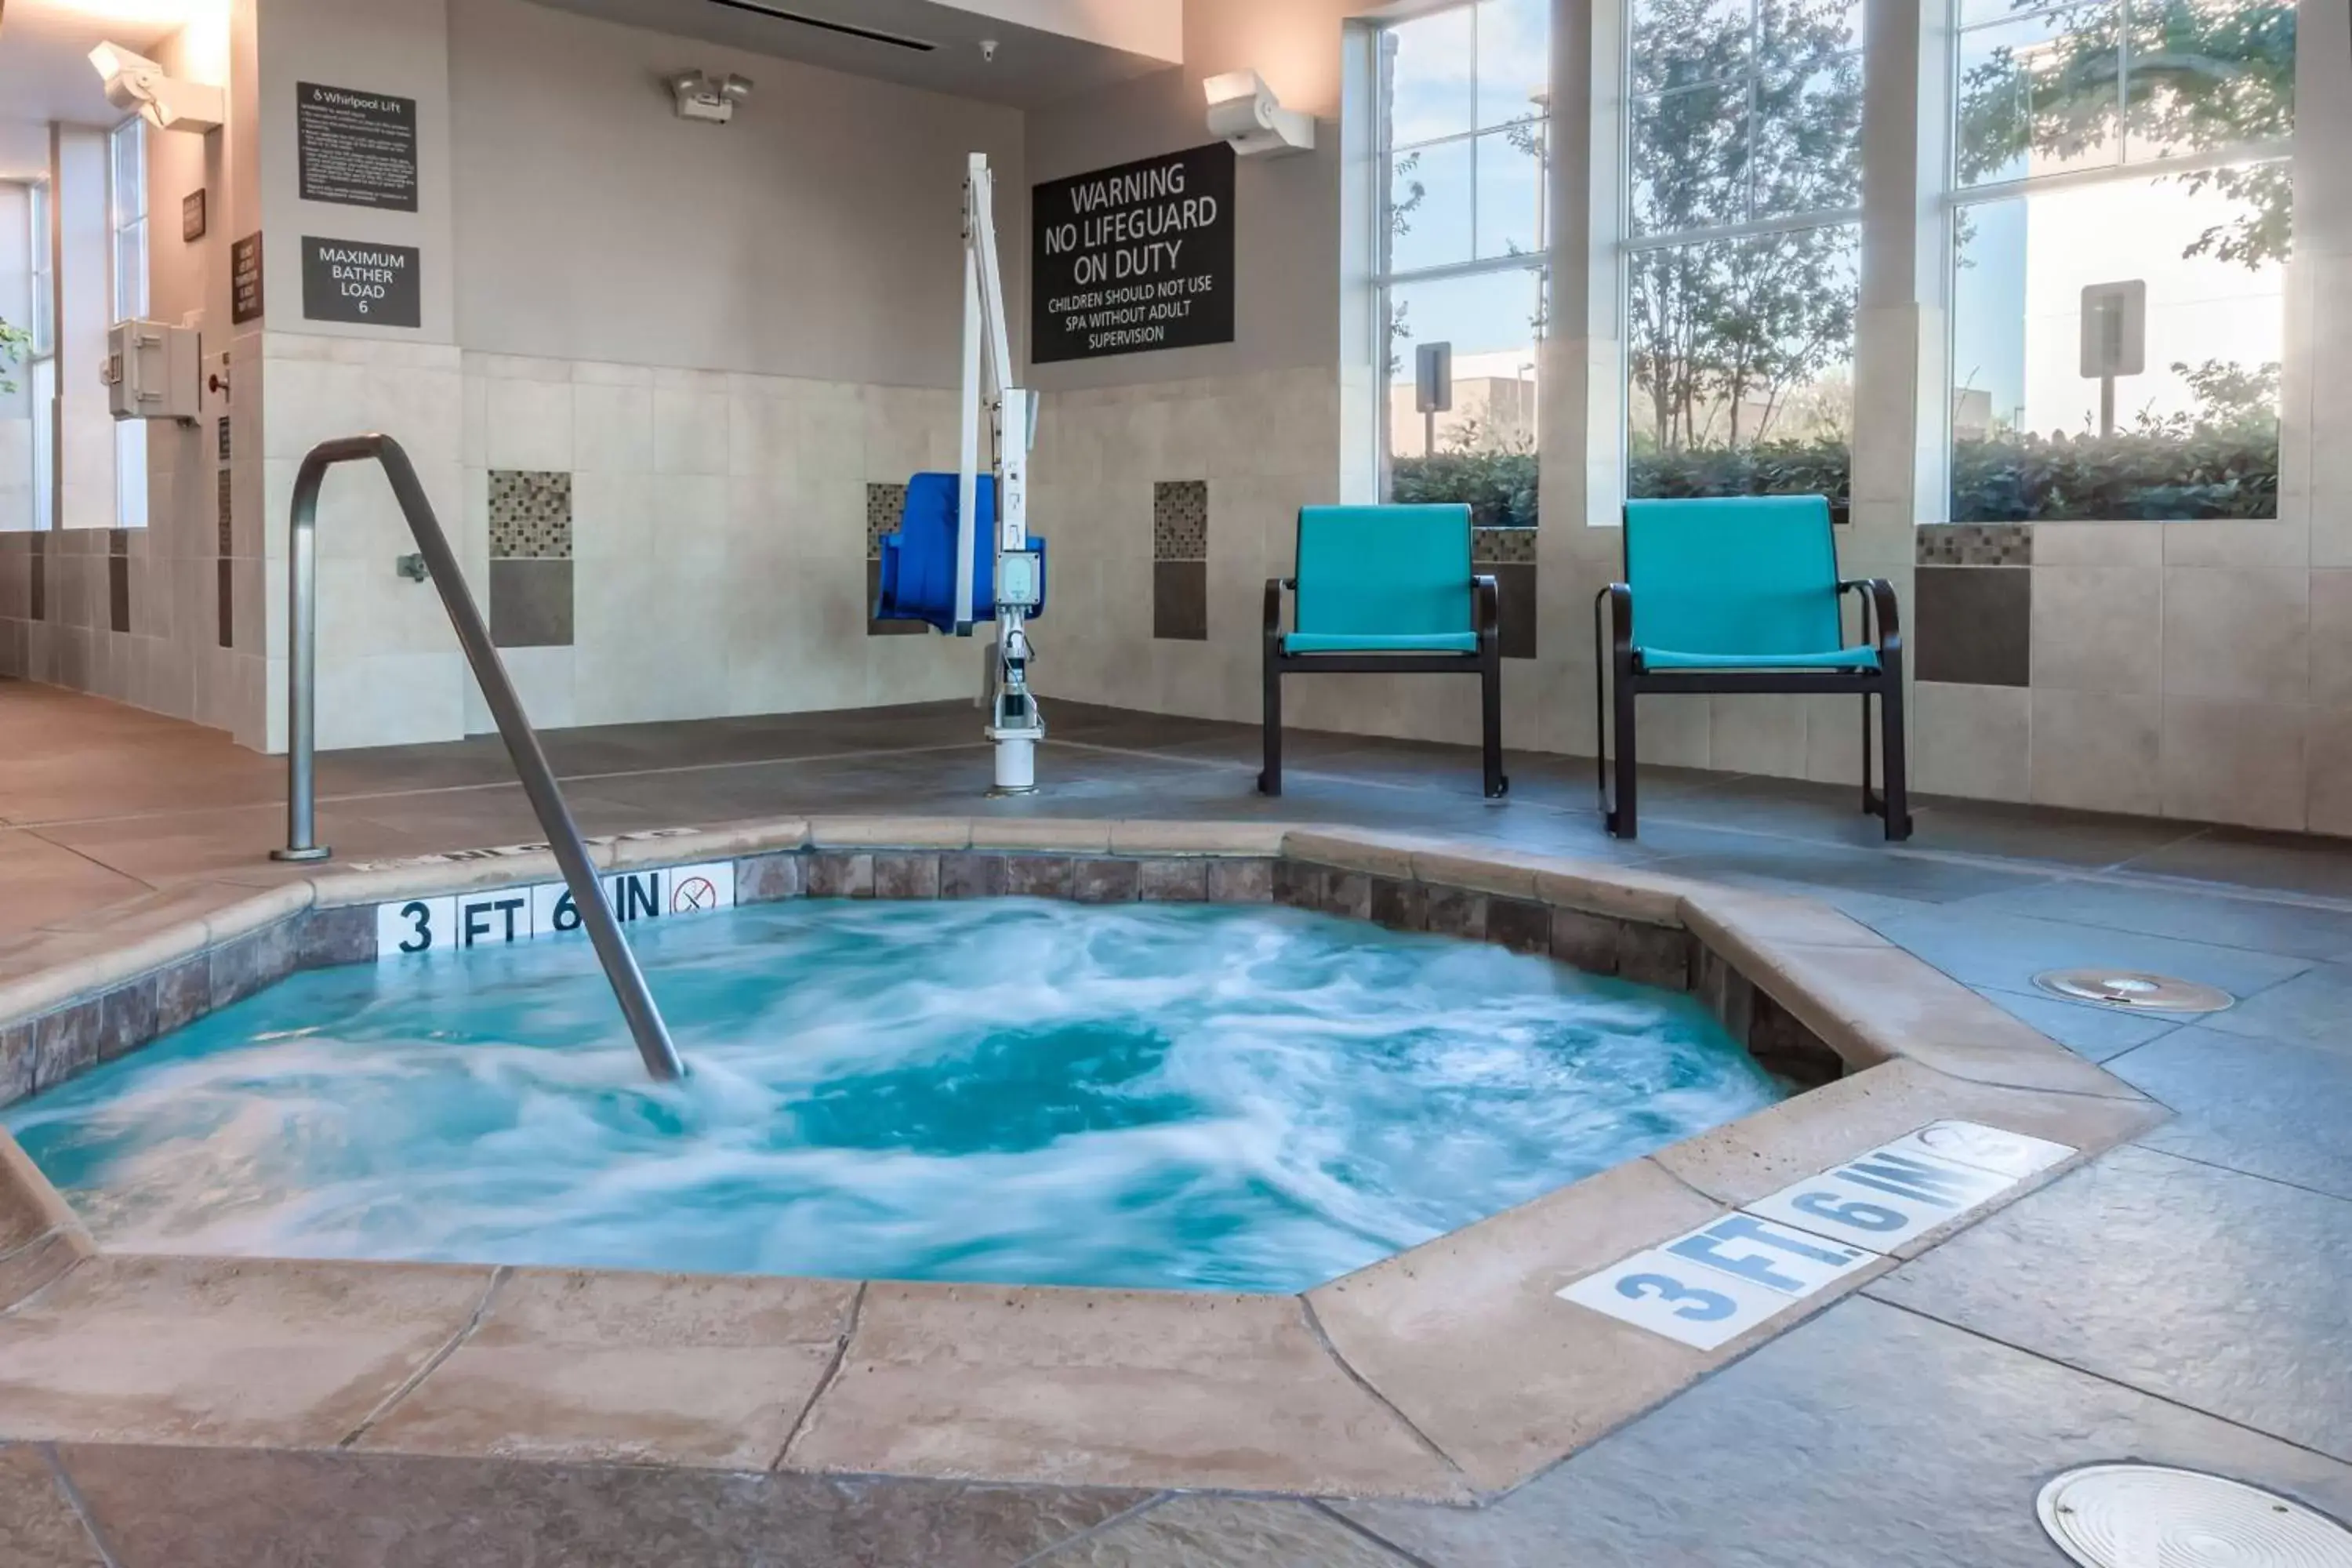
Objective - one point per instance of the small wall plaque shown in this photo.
(191, 216)
(245, 279)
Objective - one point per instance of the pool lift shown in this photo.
(1014, 724)
(915, 579)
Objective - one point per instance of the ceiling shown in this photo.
(1033, 65)
(44, 45)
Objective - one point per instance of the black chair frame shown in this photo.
(1485, 662)
(1617, 664)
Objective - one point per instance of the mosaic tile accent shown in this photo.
(884, 505)
(1974, 544)
(1503, 546)
(530, 515)
(1179, 520)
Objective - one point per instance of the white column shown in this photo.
(1583, 377)
(1900, 336)
(2315, 426)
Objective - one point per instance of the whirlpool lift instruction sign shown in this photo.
(1131, 260)
(356, 148)
(373, 285)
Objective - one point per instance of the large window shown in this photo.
(1464, 144)
(127, 200)
(1744, 189)
(2120, 230)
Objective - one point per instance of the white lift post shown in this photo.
(1014, 725)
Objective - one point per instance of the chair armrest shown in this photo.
(1882, 616)
(1486, 604)
(1620, 625)
(1273, 587)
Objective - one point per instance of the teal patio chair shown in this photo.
(1385, 590)
(1741, 594)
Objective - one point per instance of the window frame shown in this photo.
(1386, 277)
(40, 246)
(128, 298)
(41, 354)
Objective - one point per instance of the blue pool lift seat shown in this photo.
(918, 561)
(1384, 590)
(1736, 594)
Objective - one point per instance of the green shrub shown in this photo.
(1499, 486)
(2212, 471)
(2203, 473)
(1765, 468)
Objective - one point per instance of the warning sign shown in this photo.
(1134, 258)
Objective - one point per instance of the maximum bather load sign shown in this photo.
(372, 285)
(1131, 260)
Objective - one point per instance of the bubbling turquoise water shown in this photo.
(1012, 1091)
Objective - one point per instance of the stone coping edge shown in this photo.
(1446, 1372)
(1441, 1372)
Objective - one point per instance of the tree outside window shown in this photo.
(2140, 144)
(1744, 162)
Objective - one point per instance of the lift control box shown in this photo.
(1020, 579)
(152, 371)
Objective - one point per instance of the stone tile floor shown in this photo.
(2182, 1299)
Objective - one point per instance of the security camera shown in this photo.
(1243, 111)
(988, 51)
(136, 84)
(700, 98)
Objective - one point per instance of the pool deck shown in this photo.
(2179, 1297)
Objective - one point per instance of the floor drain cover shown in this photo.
(2128, 988)
(2148, 1516)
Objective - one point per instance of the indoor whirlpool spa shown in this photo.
(1016, 1091)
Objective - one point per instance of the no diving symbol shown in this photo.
(692, 896)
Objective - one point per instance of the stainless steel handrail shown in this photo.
(555, 820)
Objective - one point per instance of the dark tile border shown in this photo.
(991, 873)
(1665, 957)
(1972, 626)
(43, 1051)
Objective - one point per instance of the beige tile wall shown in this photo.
(167, 660)
(718, 528)
(2200, 671)
(1265, 444)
